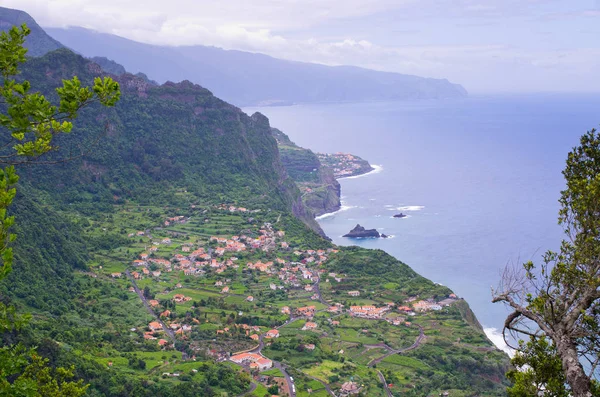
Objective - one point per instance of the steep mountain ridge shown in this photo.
(176, 135)
(245, 78)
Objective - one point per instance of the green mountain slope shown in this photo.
(173, 170)
(161, 137)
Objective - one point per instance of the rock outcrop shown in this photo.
(361, 232)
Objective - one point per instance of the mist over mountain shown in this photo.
(245, 78)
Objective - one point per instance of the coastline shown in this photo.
(376, 170)
(493, 334)
(328, 214)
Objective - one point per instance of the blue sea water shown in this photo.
(479, 178)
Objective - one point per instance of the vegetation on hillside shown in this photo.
(30, 123)
(174, 195)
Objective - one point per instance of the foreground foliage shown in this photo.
(557, 305)
(30, 123)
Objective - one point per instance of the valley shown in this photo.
(175, 251)
(242, 288)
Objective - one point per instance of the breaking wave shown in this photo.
(408, 208)
(376, 170)
(495, 336)
(329, 214)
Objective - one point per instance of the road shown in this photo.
(405, 349)
(385, 385)
(250, 390)
(317, 290)
(287, 376)
(168, 331)
(276, 364)
(325, 385)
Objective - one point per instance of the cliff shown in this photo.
(174, 136)
(320, 190)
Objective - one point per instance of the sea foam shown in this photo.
(376, 170)
(495, 336)
(329, 214)
(410, 208)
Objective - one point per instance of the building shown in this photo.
(309, 325)
(272, 334)
(252, 360)
(354, 293)
(368, 311)
(349, 388)
(155, 326)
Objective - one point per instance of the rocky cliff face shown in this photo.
(325, 198)
(159, 138)
(320, 190)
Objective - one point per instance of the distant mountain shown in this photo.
(38, 42)
(109, 65)
(245, 78)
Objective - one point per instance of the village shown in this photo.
(344, 164)
(300, 274)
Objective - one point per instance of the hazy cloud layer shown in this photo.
(487, 45)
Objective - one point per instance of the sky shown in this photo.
(488, 46)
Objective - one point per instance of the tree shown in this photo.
(557, 304)
(30, 123)
(538, 370)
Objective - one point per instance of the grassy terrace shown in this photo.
(341, 352)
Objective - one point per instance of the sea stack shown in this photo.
(361, 232)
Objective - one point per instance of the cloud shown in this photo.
(273, 15)
(463, 40)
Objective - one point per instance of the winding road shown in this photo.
(325, 385)
(277, 364)
(417, 343)
(168, 331)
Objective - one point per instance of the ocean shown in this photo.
(479, 179)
